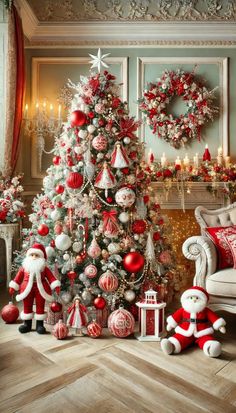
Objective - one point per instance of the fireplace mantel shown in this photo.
(188, 195)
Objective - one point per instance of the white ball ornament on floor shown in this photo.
(63, 242)
(121, 323)
(125, 197)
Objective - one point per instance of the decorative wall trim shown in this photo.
(223, 86)
(38, 62)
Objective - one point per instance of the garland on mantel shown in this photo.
(208, 172)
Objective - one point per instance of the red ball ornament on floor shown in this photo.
(56, 307)
(139, 226)
(133, 261)
(94, 330)
(108, 282)
(121, 323)
(60, 330)
(74, 180)
(99, 303)
(10, 313)
(78, 118)
(43, 230)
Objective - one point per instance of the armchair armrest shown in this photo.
(202, 250)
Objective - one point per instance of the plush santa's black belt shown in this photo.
(194, 320)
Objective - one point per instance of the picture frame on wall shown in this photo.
(214, 72)
(49, 75)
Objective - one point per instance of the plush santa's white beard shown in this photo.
(34, 266)
(193, 307)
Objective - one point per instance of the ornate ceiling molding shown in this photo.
(125, 33)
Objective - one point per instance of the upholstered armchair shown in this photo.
(220, 284)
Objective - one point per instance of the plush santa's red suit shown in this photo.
(194, 323)
(35, 282)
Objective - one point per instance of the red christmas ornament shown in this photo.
(10, 313)
(60, 330)
(43, 230)
(133, 261)
(56, 307)
(70, 162)
(94, 330)
(109, 199)
(52, 243)
(101, 122)
(121, 323)
(72, 276)
(56, 160)
(108, 282)
(156, 236)
(59, 204)
(78, 118)
(91, 115)
(146, 199)
(74, 180)
(99, 303)
(59, 189)
(139, 226)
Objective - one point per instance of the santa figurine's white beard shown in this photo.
(193, 307)
(34, 266)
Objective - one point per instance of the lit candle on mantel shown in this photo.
(186, 161)
(163, 160)
(227, 161)
(196, 161)
(178, 161)
(26, 111)
(220, 156)
(51, 111)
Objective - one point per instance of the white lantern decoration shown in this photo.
(125, 197)
(151, 318)
(63, 242)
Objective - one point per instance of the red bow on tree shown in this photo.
(127, 128)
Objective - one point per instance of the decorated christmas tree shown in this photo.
(104, 236)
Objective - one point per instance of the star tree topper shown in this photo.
(97, 61)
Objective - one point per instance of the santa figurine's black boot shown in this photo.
(40, 327)
(26, 327)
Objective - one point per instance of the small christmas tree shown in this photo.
(102, 233)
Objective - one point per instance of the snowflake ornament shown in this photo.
(97, 61)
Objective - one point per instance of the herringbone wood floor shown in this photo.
(39, 374)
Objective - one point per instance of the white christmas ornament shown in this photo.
(77, 246)
(50, 251)
(63, 242)
(129, 295)
(66, 257)
(87, 297)
(82, 133)
(82, 277)
(113, 248)
(55, 215)
(66, 297)
(91, 128)
(126, 140)
(125, 197)
(124, 217)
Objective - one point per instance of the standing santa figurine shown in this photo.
(194, 323)
(35, 282)
(77, 315)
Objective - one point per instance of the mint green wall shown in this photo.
(3, 51)
(132, 53)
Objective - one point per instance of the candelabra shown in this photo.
(42, 125)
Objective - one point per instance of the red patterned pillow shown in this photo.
(217, 235)
(231, 241)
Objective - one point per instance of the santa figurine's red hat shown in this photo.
(197, 291)
(37, 249)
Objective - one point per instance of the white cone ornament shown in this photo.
(63, 242)
(121, 323)
(105, 179)
(125, 197)
(94, 251)
(119, 158)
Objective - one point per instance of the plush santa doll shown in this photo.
(35, 282)
(194, 323)
(77, 315)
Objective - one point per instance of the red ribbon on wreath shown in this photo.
(110, 224)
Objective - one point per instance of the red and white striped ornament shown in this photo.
(119, 158)
(99, 143)
(121, 323)
(60, 330)
(94, 330)
(108, 282)
(91, 271)
(105, 179)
